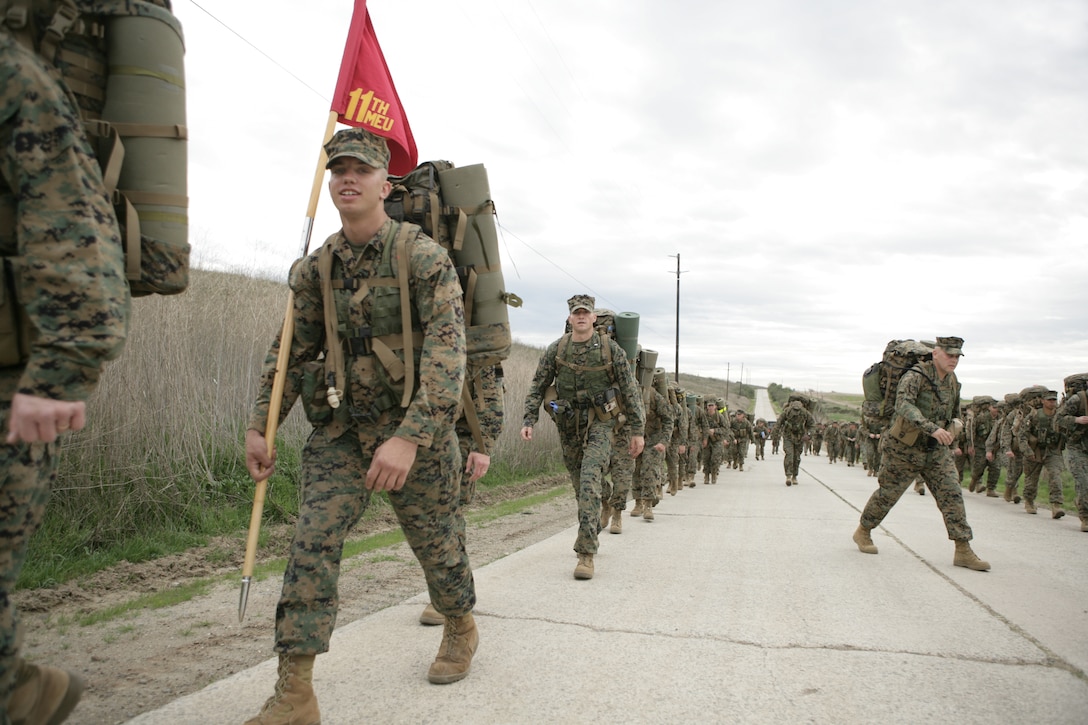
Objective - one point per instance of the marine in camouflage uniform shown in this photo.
(776, 438)
(695, 438)
(741, 429)
(583, 380)
(713, 432)
(369, 443)
(63, 287)
(650, 465)
(795, 423)
(833, 437)
(871, 432)
(978, 431)
(1014, 457)
(850, 437)
(759, 437)
(1041, 442)
(1073, 423)
(676, 440)
(993, 441)
(616, 485)
(917, 446)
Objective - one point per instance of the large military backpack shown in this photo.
(454, 208)
(122, 60)
(1075, 384)
(881, 380)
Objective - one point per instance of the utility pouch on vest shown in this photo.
(14, 326)
(904, 431)
(605, 404)
(315, 399)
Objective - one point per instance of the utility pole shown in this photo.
(677, 358)
(727, 382)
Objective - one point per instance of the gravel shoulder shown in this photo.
(144, 658)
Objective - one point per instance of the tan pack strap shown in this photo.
(458, 240)
(152, 130)
(436, 214)
(131, 238)
(334, 354)
(62, 21)
(484, 207)
(471, 418)
(85, 89)
(82, 61)
(148, 197)
(470, 293)
(397, 342)
(401, 243)
(112, 159)
(392, 364)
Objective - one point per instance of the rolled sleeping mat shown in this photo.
(627, 333)
(145, 105)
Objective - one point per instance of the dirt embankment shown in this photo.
(139, 660)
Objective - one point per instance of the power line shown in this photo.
(266, 55)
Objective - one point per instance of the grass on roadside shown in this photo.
(275, 567)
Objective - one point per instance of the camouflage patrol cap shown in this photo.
(581, 302)
(983, 400)
(951, 345)
(1050, 395)
(360, 144)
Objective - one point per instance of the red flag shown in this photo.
(365, 96)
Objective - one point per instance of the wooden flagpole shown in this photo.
(280, 379)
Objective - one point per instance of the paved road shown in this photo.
(743, 602)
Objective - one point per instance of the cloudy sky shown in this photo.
(833, 173)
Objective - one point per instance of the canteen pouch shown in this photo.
(605, 404)
(904, 432)
(314, 403)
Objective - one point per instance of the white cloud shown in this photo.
(833, 174)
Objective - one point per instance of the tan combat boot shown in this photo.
(606, 514)
(431, 616)
(965, 557)
(637, 510)
(1008, 494)
(648, 510)
(459, 642)
(1029, 506)
(1056, 511)
(1084, 523)
(991, 493)
(789, 480)
(294, 702)
(864, 540)
(714, 478)
(741, 466)
(584, 570)
(706, 478)
(672, 488)
(617, 522)
(43, 694)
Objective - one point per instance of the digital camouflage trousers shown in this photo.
(334, 499)
(899, 466)
(587, 449)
